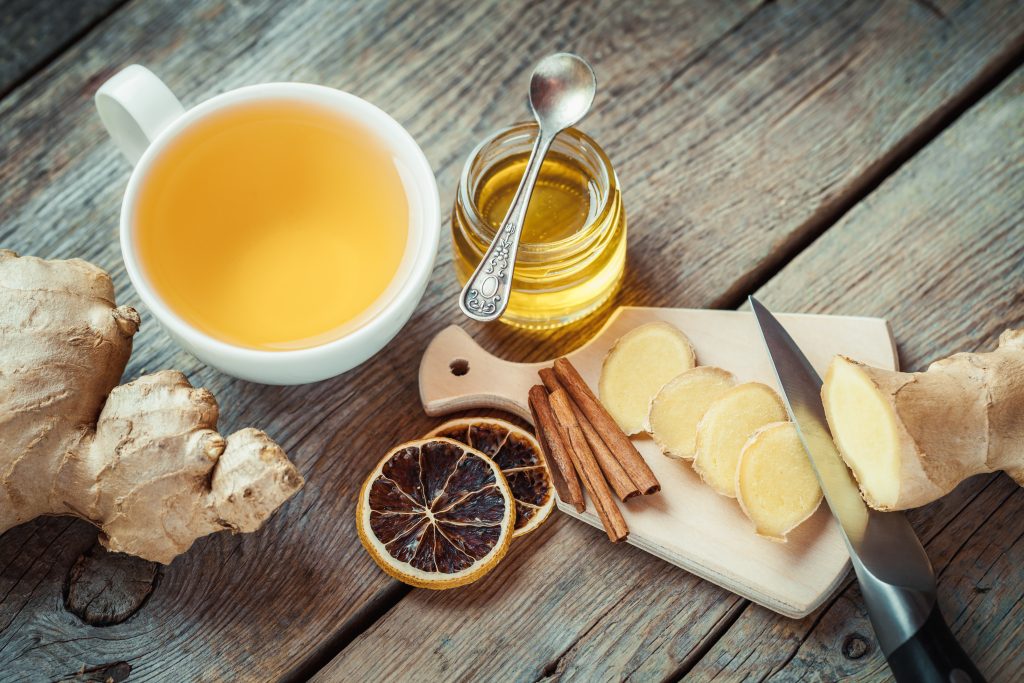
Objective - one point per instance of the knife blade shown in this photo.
(892, 568)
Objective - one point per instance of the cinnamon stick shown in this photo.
(563, 474)
(626, 453)
(623, 486)
(597, 487)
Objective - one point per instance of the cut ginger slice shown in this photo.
(679, 406)
(436, 513)
(639, 364)
(728, 422)
(775, 483)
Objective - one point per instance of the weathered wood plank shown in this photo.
(565, 604)
(217, 610)
(34, 31)
(659, 644)
(689, 97)
(975, 554)
(939, 249)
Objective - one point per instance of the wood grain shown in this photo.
(940, 248)
(734, 127)
(218, 611)
(920, 256)
(34, 31)
(529, 621)
(105, 588)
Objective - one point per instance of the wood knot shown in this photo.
(105, 588)
(855, 646)
(107, 673)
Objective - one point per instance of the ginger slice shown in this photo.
(725, 427)
(639, 364)
(910, 438)
(775, 483)
(679, 406)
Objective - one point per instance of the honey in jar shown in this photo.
(573, 248)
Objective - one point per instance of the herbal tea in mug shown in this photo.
(281, 232)
(274, 224)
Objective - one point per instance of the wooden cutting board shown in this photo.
(687, 523)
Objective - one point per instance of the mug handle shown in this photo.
(135, 106)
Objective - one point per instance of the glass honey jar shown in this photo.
(573, 248)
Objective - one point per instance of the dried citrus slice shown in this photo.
(436, 513)
(520, 458)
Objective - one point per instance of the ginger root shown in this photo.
(722, 432)
(910, 438)
(679, 406)
(775, 483)
(142, 461)
(637, 367)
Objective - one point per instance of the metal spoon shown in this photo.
(561, 91)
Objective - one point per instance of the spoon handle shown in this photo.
(486, 293)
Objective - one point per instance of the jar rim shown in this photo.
(465, 196)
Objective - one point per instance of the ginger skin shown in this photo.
(910, 438)
(143, 461)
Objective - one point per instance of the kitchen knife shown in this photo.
(892, 568)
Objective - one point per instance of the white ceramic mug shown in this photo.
(143, 117)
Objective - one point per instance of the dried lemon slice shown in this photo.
(436, 513)
(520, 458)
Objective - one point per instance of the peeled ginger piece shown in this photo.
(640, 363)
(775, 483)
(727, 424)
(679, 406)
(912, 437)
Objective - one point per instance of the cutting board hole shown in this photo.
(459, 367)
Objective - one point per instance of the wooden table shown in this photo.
(854, 157)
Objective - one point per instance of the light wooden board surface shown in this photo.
(740, 131)
(687, 524)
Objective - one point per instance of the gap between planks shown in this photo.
(918, 139)
(926, 539)
(59, 49)
(720, 629)
(998, 70)
(991, 77)
(367, 616)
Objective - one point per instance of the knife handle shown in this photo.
(933, 655)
